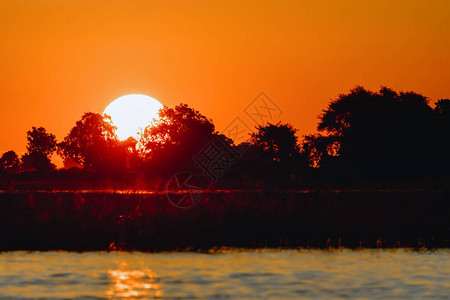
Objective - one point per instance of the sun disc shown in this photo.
(133, 112)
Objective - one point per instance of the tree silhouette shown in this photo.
(277, 142)
(375, 134)
(91, 142)
(278, 149)
(178, 135)
(41, 145)
(319, 150)
(39, 141)
(10, 162)
(442, 113)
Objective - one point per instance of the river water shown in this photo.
(230, 274)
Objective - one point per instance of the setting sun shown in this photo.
(133, 112)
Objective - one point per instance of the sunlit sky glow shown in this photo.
(60, 59)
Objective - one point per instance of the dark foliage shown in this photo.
(92, 142)
(171, 143)
(41, 145)
(277, 150)
(113, 221)
(377, 135)
(364, 135)
(9, 162)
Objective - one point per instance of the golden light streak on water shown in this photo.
(128, 283)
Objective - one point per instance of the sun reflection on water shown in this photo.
(133, 283)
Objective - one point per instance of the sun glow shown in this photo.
(133, 112)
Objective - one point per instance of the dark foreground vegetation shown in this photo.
(148, 221)
(375, 175)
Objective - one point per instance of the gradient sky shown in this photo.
(59, 59)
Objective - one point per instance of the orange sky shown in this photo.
(59, 59)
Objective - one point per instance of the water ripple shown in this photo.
(308, 274)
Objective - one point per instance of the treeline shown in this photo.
(362, 134)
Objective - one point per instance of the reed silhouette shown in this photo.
(147, 221)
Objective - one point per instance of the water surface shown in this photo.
(265, 274)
